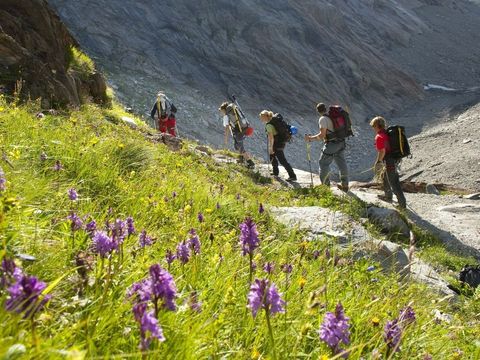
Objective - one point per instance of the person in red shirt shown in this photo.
(386, 165)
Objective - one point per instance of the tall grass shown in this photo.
(118, 173)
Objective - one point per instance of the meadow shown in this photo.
(113, 246)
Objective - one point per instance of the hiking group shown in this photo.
(335, 127)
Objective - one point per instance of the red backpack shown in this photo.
(342, 125)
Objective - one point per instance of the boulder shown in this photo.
(424, 273)
(318, 221)
(35, 57)
(172, 142)
(389, 220)
(391, 256)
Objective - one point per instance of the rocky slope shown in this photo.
(35, 55)
(448, 151)
(370, 55)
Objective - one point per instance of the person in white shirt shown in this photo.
(235, 125)
(333, 150)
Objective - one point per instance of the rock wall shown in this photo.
(35, 54)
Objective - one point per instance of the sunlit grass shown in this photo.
(117, 168)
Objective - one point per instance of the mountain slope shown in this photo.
(448, 152)
(369, 55)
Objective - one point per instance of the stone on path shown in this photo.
(432, 190)
(475, 196)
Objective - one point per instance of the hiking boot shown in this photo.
(273, 174)
(385, 198)
(250, 164)
(291, 179)
(342, 188)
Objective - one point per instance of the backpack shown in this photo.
(470, 275)
(342, 125)
(237, 121)
(284, 130)
(399, 147)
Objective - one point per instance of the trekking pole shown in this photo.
(309, 158)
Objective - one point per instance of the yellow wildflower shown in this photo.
(255, 354)
(375, 321)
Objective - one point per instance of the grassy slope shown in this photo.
(114, 167)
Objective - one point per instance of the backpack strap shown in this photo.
(159, 108)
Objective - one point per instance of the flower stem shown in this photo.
(34, 334)
(251, 269)
(270, 332)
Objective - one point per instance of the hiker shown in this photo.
(278, 135)
(163, 112)
(236, 126)
(386, 165)
(333, 149)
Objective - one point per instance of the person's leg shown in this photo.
(325, 161)
(162, 125)
(394, 181)
(280, 155)
(171, 124)
(240, 147)
(274, 162)
(386, 184)
(339, 159)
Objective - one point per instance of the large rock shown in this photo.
(35, 56)
(424, 273)
(391, 256)
(318, 221)
(389, 220)
(172, 142)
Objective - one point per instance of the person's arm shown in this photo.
(271, 151)
(320, 136)
(381, 155)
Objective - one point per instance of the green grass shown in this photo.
(79, 62)
(114, 167)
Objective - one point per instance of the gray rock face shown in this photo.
(390, 220)
(440, 155)
(34, 57)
